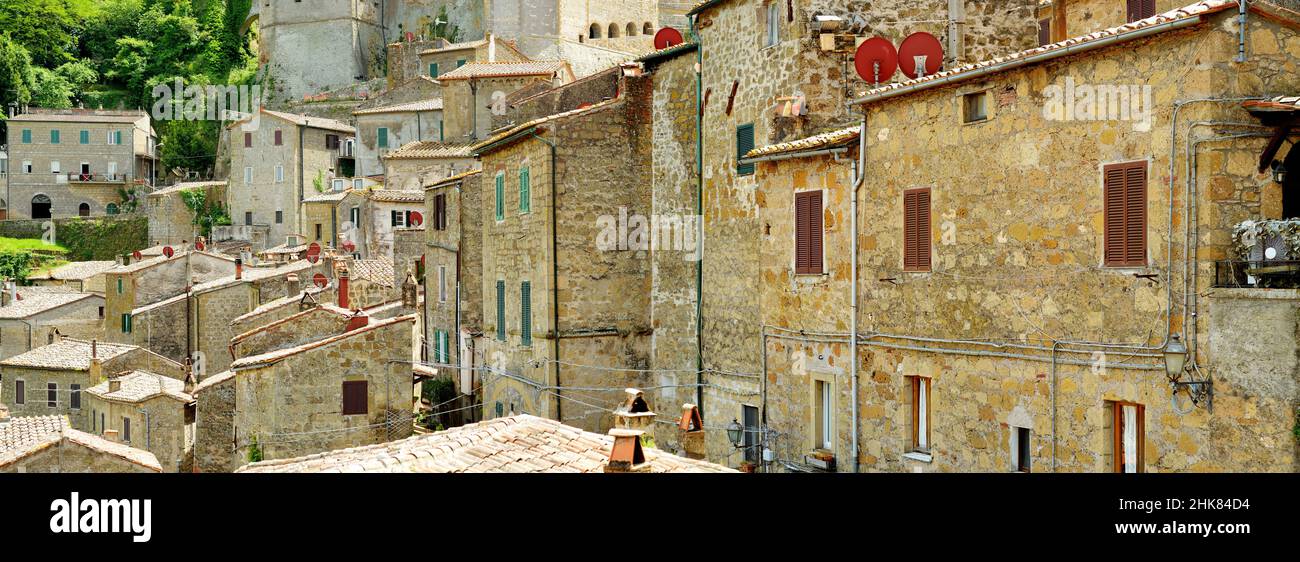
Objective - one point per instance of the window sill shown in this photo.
(919, 456)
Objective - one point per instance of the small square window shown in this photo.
(975, 107)
(354, 398)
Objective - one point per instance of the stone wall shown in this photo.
(412, 174)
(453, 285)
(68, 455)
(214, 428)
(80, 319)
(67, 196)
(307, 326)
(590, 90)
(157, 425)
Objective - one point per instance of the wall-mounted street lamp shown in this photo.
(1175, 358)
(1279, 171)
(735, 432)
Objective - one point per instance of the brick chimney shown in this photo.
(114, 385)
(291, 285)
(111, 435)
(343, 289)
(626, 455)
(690, 432)
(634, 412)
(239, 268)
(190, 380)
(96, 364)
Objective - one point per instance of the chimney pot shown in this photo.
(239, 268)
(626, 455)
(114, 385)
(343, 289)
(111, 435)
(292, 286)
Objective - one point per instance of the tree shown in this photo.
(51, 89)
(47, 28)
(17, 77)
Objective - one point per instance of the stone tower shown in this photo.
(312, 46)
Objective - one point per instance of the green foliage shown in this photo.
(442, 27)
(254, 451)
(207, 214)
(318, 182)
(8, 245)
(15, 265)
(51, 89)
(17, 77)
(191, 145)
(102, 238)
(47, 28)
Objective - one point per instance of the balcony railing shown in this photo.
(97, 178)
(1261, 274)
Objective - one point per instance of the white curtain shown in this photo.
(923, 390)
(1130, 438)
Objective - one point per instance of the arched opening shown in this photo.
(613, 30)
(647, 29)
(595, 31)
(1291, 205)
(41, 207)
(83, 210)
(111, 209)
(631, 29)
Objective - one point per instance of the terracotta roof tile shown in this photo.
(431, 104)
(138, 386)
(67, 354)
(430, 149)
(828, 139)
(24, 436)
(35, 302)
(452, 179)
(81, 270)
(505, 69)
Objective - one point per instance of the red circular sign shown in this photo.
(667, 37)
(876, 60)
(416, 218)
(320, 280)
(920, 44)
(168, 251)
(136, 255)
(313, 253)
(349, 246)
(198, 245)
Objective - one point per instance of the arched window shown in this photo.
(647, 29)
(595, 31)
(613, 30)
(83, 210)
(41, 207)
(111, 209)
(631, 29)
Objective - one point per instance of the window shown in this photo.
(1125, 214)
(279, 173)
(115, 137)
(808, 232)
(84, 137)
(20, 391)
(613, 31)
(126, 322)
(358, 183)
(594, 32)
(442, 283)
(331, 142)
(94, 421)
(749, 417)
(440, 135)
(824, 394)
(433, 70)
(460, 63)
(54, 136)
(647, 29)
(354, 398)
(101, 313)
(248, 175)
(279, 137)
(102, 425)
(501, 311)
(383, 137)
(397, 217)
(1128, 426)
(524, 187)
(248, 218)
(440, 211)
(119, 285)
(248, 140)
(75, 399)
(526, 313)
(744, 144)
(501, 196)
(1020, 441)
(355, 216)
(318, 231)
(336, 184)
(916, 229)
(773, 24)
(83, 210)
(112, 170)
(111, 208)
(27, 136)
(27, 166)
(920, 414)
(126, 430)
(975, 107)
(279, 217)
(1044, 32)
(52, 394)
(1141, 9)
(54, 166)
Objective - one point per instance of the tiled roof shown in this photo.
(1278, 104)
(430, 149)
(379, 270)
(396, 196)
(281, 354)
(80, 270)
(700, 7)
(542, 120)
(1061, 48)
(327, 197)
(667, 52)
(26, 431)
(308, 293)
(455, 178)
(520, 443)
(138, 386)
(304, 120)
(254, 274)
(36, 302)
(212, 381)
(292, 317)
(828, 139)
(472, 45)
(81, 116)
(504, 69)
(176, 188)
(25, 436)
(67, 354)
(432, 104)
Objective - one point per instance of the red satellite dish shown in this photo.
(198, 245)
(349, 247)
(320, 280)
(136, 255)
(667, 37)
(416, 218)
(313, 253)
(168, 251)
(876, 60)
(920, 44)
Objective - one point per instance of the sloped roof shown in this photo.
(396, 196)
(278, 355)
(26, 431)
(505, 69)
(668, 52)
(1283, 104)
(26, 436)
(520, 443)
(379, 270)
(432, 104)
(830, 139)
(304, 120)
(80, 270)
(182, 186)
(81, 116)
(67, 354)
(138, 386)
(309, 294)
(452, 179)
(327, 197)
(36, 302)
(430, 149)
(540, 121)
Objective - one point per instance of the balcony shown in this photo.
(1267, 256)
(98, 178)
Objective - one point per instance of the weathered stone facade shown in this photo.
(22, 328)
(159, 413)
(453, 276)
(171, 222)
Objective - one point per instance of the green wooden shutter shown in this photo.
(440, 138)
(744, 144)
(501, 196)
(126, 322)
(433, 70)
(501, 310)
(27, 136)
(460, 63)
(383, 137)
(526, 313)
(524, 190)
(117, 137)
(85, 137)
(54, 136)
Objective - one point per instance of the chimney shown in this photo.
(5, 297)
(626, 455)
(634, 413)
(358, 320)
(492, 48)
(96, 364)
(343, 289)
(291, 285)
(690, 432)
(190, 380)
(121, 260)
(114, 385)
(410, 291)
(239, 269)
(111, 435)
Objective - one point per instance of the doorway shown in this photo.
(41, 207)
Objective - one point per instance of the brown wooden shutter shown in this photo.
(808, 232)
(916, 229)
(1141, 9)
(1125, 236)
(248, 140)
(354, 397)
(1044, 32)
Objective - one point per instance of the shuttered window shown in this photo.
(54, 136)
(501, 310)
(84, 137)
(1126, 214)
(117, 137)
(526, 313)
(524, 190)
(126, 322)
(744, 144)
(916, 229)
(354, 398)
(52, 394)
(126, 430)
(1044, 32)
(440, 211)
(332, 142)
(20, 392)
(248, 140)
(75, 399)
(27, 136)
(501, 196)
(1141, 9)
(808, 232)
(433, 70)
(383, 137)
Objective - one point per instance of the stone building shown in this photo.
(50, 444)
(50, 379)
(444, 57)
(76, 162)
(148, 411)
(275, 159)
(30, 318)
(1005, 333)
(152, 280)
(383, 213)
(418, 164)
(453, 276)
(473, 93)
(386, 128)
(171, 222)
(292, 40)
(80, 276)
(327, 215)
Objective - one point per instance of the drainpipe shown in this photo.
(859, 176)
(302, 138)
(1241, 31)
(555, 277)
(699, 212)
